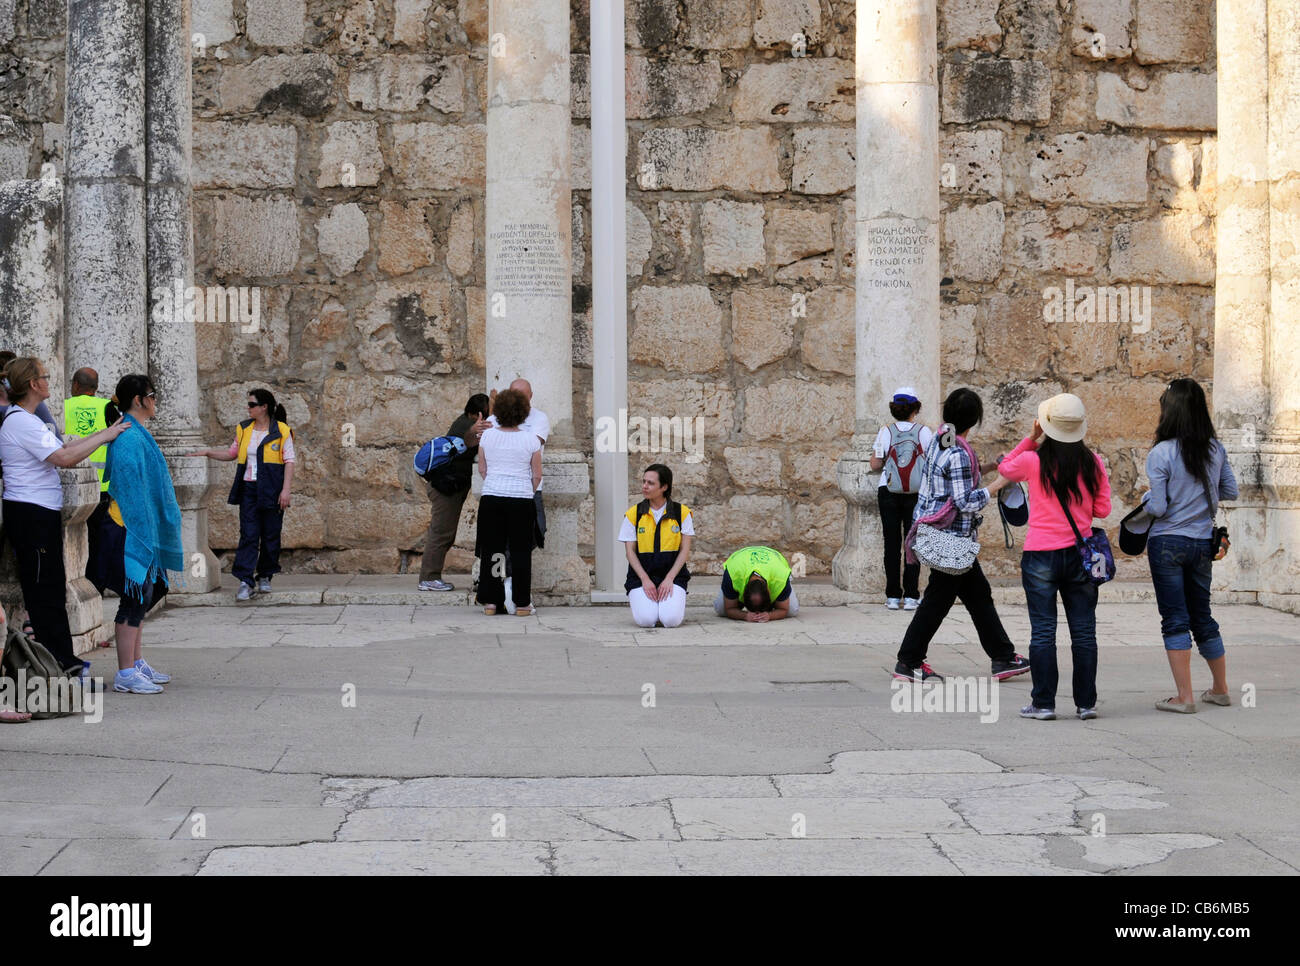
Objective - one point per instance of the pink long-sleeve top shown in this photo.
(1048, 527)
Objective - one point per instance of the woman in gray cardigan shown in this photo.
(1189, 473)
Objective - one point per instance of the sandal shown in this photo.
(1222, 700)
(15, 717)
(524, 611)
(1173, 704)
(490, 610)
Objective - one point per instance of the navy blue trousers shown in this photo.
(259, 539)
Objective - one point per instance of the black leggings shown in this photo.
(36, 534)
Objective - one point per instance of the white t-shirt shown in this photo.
(509, 457)
(537, 424)
(25, 442)
(255, 440)
(627, 533)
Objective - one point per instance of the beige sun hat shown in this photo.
(1063, 418)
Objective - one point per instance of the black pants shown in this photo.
(36, 534)
(259, 538)
(941, 592)
(505, 533)
(539, 530)
(896, 516)
(93, 526)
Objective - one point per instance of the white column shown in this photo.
(1242, 278)
(170, 266)
(1257, 321)
(609, 284)
(897, 252)
(105, 297)
(529, 262)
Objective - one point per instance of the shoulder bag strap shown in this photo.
(1073, 526)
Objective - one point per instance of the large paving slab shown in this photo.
(373, 734)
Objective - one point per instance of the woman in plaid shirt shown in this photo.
(950, 475)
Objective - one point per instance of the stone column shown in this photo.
(170, 268)
(106, 293)
(1257, 322)
(529, 264)
(31, 286)
(1242, 283)
(898, 253)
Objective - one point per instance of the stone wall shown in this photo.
(338, 170)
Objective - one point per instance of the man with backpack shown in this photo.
(897, 455)
(448, 469)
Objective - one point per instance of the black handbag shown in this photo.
(1134, 530)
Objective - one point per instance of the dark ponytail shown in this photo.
(124, 396)
(274, 411)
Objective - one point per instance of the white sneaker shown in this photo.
(911, 603)
(264, 585)
(245, 592)
(892, 603)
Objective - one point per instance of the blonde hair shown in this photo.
(19, 376)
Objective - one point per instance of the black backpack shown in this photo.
(23, 653)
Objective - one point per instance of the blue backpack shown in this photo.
(437, 453)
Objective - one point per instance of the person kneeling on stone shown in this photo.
(748, 579)
(657, 534)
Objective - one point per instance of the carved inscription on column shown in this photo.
(895, 253)
(528, 260)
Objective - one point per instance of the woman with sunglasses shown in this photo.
(263, 445)
(140, 535)
(31, 456)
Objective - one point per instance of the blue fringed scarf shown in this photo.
(140, 483)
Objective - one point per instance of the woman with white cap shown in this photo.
(897, 456)
(1061, 472)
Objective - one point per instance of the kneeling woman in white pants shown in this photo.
(657, 533)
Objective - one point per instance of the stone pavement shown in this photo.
(351, 738)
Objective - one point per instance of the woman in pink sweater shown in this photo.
(1059, 469)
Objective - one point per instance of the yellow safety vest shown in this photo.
(84, 416)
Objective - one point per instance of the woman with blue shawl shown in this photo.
(141, 536)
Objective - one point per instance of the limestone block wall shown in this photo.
(338, 174)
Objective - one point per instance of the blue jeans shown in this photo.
(1043, 573)
(1180, 570)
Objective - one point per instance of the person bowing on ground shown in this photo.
(750, 577)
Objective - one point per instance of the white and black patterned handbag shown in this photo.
(945, 550)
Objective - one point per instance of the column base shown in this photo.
(1264, 523)
(558, 568)
(190, 478)
(85, 606)
(858, 565)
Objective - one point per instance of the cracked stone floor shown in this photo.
(372, 739)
